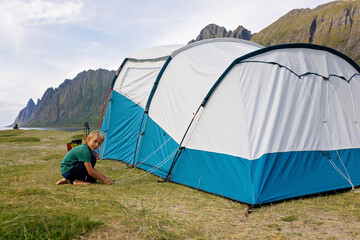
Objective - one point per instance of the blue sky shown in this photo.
(44, 42)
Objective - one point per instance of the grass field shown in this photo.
(33, 207)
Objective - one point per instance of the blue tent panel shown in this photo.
(272, 177)
(121, 127)
(156, 150)
(291, 174)
(216, 173)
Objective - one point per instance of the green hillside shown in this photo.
(335, 24)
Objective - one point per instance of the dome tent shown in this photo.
(275, 123)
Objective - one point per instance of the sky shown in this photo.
(44, 42)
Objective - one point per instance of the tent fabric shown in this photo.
(268, 100)
(132, 86)
(154, 53)
(238, 120)
(187, 79)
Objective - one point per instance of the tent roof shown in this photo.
(156, 52)
(300, 45)
(216, 40)
(311, 62)
(165, 51)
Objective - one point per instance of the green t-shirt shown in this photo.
(80, 153)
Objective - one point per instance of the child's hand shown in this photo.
(107, 181)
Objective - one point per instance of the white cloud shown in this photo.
(42, 11)
(19, 15)
(45, 12)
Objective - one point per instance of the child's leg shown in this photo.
(79, 173)
(62, 181)
(78, 182)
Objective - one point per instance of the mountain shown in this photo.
(25, 114)
(72, 103)
(215, 31)
(335, 24)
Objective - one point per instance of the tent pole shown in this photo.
(138, 139)
(180, 148)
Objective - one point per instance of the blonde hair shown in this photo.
(95, 134)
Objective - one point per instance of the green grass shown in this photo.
(22, 139)
(33, 207)
(35, 226)
(289, 218)
(78, 136)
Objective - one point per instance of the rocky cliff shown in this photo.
(215, 31)
(26, 113)
(335, 24)
(72, 103)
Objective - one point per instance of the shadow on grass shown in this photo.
(310, 196)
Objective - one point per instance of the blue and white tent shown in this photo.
(238, 120)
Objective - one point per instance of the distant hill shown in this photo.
(335, 24)
(71, 104)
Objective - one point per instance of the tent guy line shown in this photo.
(141, 175)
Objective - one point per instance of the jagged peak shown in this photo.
(30, 102)
(215, 31)
(50, 89)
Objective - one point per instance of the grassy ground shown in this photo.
(33, 207)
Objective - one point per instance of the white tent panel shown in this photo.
(187, 79)
(222, 123)
(278, 111)
(267, 124)
(340, 92)
(354, 90)
(136, 80)
(343, 128)
(137, 76)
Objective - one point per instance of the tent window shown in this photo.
(136, 75)
(138, 82)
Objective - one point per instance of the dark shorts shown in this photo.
(79, 172)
